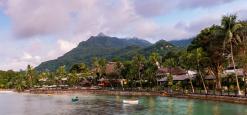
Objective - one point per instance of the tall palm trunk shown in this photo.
(216, 74)
(191, 84)
(234, 67)
(139, 74)
(204, 86)
(205, 90)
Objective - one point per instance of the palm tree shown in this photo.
(60, 74)
(150, 70)
(169, 63)
(79, 68)
(138, 63)
(73, 79)
(152, 65)
(119, 68)
(199, 55)
(20, 83)
(210, 40)
(30, 74)
(230, 26)
(186, 61)
(100, 66)
(128, 72)
(155, 58)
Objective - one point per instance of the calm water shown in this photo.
(27, 104)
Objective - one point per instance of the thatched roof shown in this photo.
(172, 70)
(226, 72)
(177, 78)
(111, 67)
(240, 72)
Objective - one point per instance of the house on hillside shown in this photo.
(227, 76)
(227, 72)
(178, 74)
(112, 76)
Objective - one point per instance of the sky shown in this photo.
(33, 31)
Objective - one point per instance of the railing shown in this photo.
(229, 93)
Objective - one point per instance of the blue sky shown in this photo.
(33, 31)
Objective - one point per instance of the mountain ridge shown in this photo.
(106, 47)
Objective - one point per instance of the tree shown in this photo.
(211, 41)
(170, 63)
(99, 65)
(150, 69)
(30, 74)
(60, 74)
(73, 79)
(20, 83)
(198, 54)
(118, 69)
(230, 27)
(242, 48)
(138, 64)
(43, 77)
(79, 68)
(155, 58)
(129, 72)
(186, 61)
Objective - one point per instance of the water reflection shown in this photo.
(190, 107)
(25, 104)
(170, 106)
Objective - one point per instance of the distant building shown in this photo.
(178, 74)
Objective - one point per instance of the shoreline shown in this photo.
(94, 91)
(228, 99)
(238, 100)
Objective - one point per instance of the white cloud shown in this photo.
(65, 46)
(63, 18)
(21, 62)
(150, 8)
(27, 56)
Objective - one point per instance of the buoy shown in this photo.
(75, 99)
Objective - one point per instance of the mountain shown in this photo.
(182, 42)
(109, 48)
(162, 47)
(96, 46)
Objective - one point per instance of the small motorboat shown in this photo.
(75, 99)
(130, 101)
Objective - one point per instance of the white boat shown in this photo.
(6, 91)
(130, 101)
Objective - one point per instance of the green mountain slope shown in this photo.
(182, 42)
(109, 48)
(95, 46)
(162, 47)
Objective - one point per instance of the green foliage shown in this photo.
(169, 80)
(73, 79)
(181, 43)
(96, 46)
(79, 68)
(20, 83)
(30, 76)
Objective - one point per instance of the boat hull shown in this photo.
(130, 101)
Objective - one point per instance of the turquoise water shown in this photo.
(27, 104)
